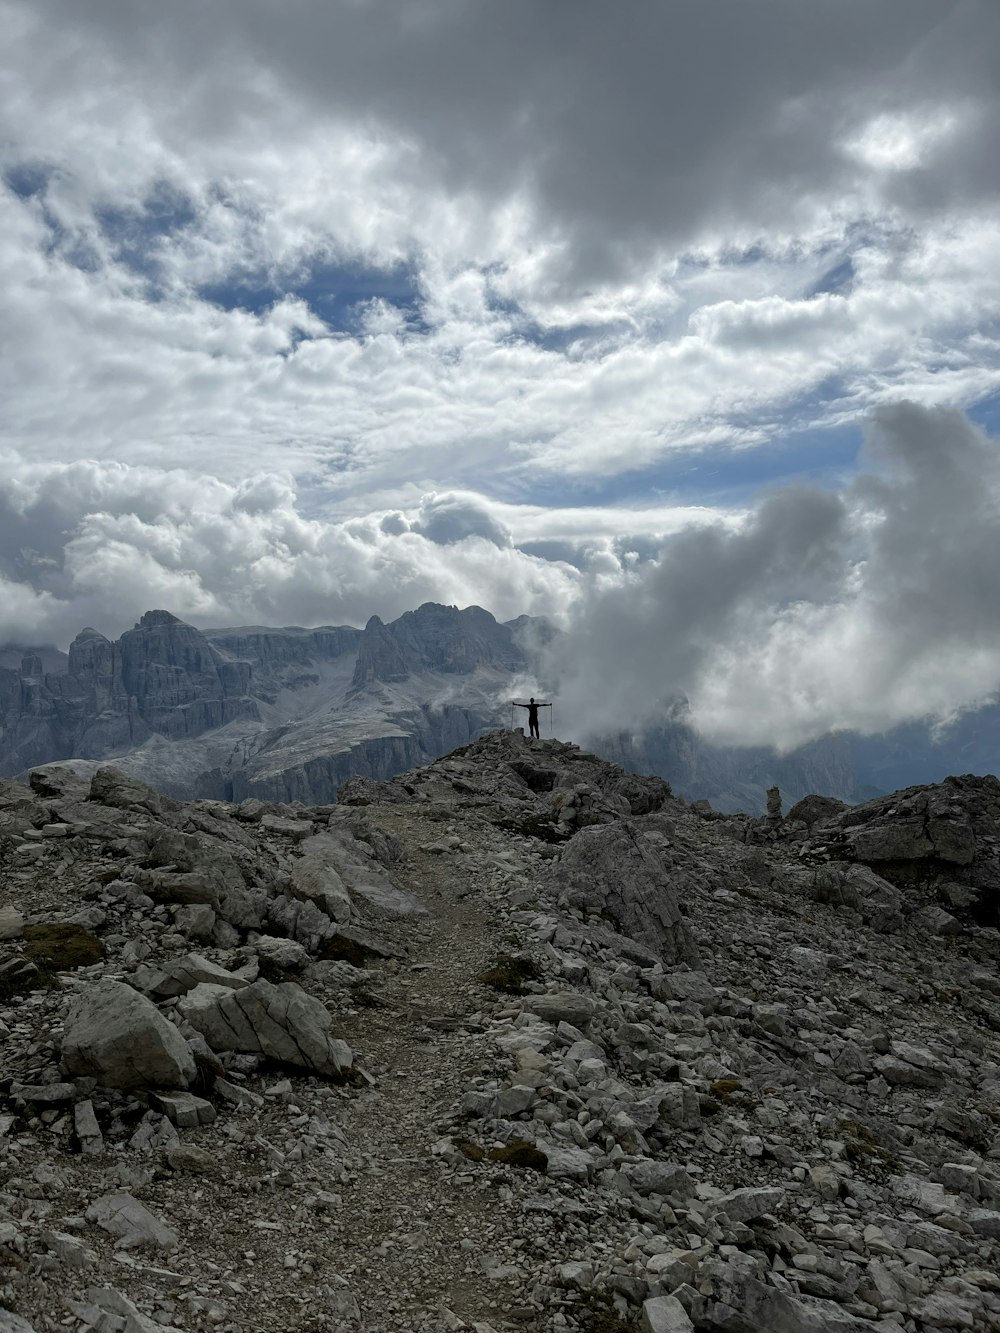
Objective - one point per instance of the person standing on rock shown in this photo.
(532, 708)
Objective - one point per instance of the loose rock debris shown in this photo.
(515, 1041)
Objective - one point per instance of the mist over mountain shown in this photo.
(290, 713)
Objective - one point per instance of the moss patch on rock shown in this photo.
(861, 1145)
(520, 1154)
(508, 974)
(60, 946)
(726, 1088)
(469, 1149)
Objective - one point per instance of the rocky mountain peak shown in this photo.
(151, 619)
(435, 638)
(614, 1062)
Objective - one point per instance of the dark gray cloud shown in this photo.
(631, 128)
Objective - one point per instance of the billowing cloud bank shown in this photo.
(813, 611)
(819, 611)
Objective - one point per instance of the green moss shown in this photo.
(508, 974)
(861, 1145)
(469, 1149)
(62, 945)
(520, 1154)
(724, 1088)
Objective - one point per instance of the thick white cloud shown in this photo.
(819, 611)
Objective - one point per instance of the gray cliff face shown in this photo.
(435, 638)
(288, 714)
(284, 659)
(282, 714)
(162, 677)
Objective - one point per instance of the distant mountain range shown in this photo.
(289, 714)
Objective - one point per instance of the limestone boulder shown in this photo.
(131, 1222)
(193, 868)
(315, 878)
(108, 786)
(119, 1037)
(280, 1023)
(617, 872)
(183, 974)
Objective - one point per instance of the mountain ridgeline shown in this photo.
(288, 714)
(278, 713)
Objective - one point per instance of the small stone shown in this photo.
(11, 923)
(88, 1131)
(68, 1249)
(652, 1177)
(183, 1109)
(187, 1157)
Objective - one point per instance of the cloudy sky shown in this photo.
(677, 321)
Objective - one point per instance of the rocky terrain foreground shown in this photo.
(516, 1041)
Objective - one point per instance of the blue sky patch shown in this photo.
(134, 233)
(336, 293)
(28, 179)
(839, 278)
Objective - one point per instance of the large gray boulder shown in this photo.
(315, 878)
(280, 1022)
(13, 1323)
(119, 1037)
(360, 865)
(135, 1226)
(111, 787)
(735, 1302)
(860, 889)
(616, 872)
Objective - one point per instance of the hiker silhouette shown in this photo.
(532, 708)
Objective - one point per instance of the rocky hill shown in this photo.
(515, 1041)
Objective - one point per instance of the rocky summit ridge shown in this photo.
(514, 1041)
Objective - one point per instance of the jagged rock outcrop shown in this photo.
(280, 1022)
(615, 872)
(943, 838)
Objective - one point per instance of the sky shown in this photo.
(678, 323)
